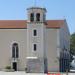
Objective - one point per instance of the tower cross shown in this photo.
(35, 2)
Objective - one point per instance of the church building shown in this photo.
(35, 45)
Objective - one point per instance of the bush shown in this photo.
(8, 67)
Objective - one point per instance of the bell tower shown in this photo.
(36, 39)
(36, 14)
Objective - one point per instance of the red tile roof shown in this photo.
(54, 23)
(23, 23)
(13, 24)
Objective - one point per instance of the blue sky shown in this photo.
(56, 9)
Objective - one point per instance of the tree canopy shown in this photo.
(72, 44)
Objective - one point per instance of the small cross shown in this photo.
(35, 2)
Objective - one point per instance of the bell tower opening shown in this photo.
(32, 17)
(38, 17)
(36, 14)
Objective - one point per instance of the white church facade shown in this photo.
(36, 44)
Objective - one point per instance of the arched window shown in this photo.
(38, 17)
(32, 17)
(15, 50)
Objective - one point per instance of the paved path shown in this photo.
(23, 73)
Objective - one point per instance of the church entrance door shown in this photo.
(15, 66)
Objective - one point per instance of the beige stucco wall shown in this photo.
(51, 49)
(7, 38)
(64, 37)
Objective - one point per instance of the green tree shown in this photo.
(72, 44)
